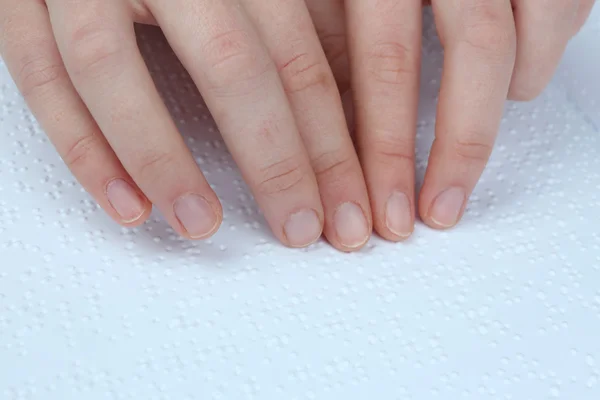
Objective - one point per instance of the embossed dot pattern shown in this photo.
(506, 306)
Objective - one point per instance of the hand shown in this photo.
(494, 49)
(263, 75)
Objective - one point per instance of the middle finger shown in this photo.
(385, 48)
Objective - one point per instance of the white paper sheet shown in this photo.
(505, 306)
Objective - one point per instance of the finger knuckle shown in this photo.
(77, 154)
(302, 71)
(390, 149)
(233, 65)
(33, 63)
(334, 165)
(392, 63)
(473, 148)
(38, 72)
(489, 30)
(281, 176)
(154, 165)
(490, 42)
(94, 49)
(226, 49)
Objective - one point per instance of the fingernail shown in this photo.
(302, 228)
(351, 225)
(196, 215)
(125, 200)
(446, 208)
(398, 216)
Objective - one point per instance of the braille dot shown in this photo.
(509, 293)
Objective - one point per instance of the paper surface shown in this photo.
(505, 306)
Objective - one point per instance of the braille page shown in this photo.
(504, 306)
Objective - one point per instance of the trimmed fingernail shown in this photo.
(446, 208)
(196, 215)
(125, 200)
(302, 228)
(398, 216)
(351, 225)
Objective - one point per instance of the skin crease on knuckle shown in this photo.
(302, 71)
(475, 150)
(94, 48)
(488, 30)
(391, 151)
(332, 165)
(79, 151)
(391, 63)
(280, 176)
(155, 166)
(234, 68)
(37, 72)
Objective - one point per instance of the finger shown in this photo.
(330, 23)
(239, 81)
(385, 49)
(97, 41)
(544, 29)
(479, 40)
(32, 57)
(289, 34)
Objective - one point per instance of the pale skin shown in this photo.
(271, 73)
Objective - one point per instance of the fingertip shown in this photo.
(197, 217)
(302, 228)
(126, 204)
(352, 227)
(397, 222)
(443, 210)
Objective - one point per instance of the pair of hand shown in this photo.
(267, 71)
